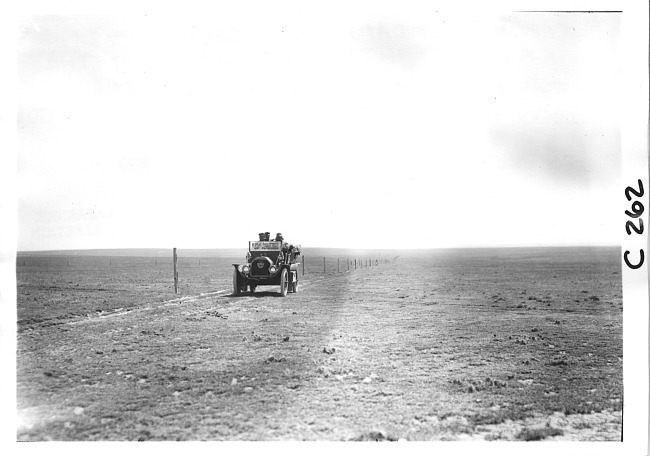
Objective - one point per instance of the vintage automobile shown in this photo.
(268, 263)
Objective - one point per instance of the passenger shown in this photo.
(294, 251)
(285, 246)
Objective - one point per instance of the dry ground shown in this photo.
(495, 345)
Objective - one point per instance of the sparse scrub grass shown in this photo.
(351, 355)
(538, 433)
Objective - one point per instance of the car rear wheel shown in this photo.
(294, 283)
(284, 283)
(252, 287)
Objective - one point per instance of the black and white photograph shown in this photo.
(408, 222)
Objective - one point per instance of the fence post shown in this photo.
(175, 273)
(355, 264)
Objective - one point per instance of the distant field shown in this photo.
(494, 344)
(58, 284)
(55, 287)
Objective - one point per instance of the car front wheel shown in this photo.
(284, 283)
(236, 289)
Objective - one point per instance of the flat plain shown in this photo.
(484, 344)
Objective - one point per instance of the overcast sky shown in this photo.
(338, 127)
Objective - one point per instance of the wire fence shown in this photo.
(312, 264)
(173, 269)
(332, 265)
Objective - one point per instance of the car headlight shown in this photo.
(272, 269)
(245, 269)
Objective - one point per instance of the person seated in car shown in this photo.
(285, 246)
(294, 251)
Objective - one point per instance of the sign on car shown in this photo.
(256, 246)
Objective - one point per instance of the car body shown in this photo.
(268, 263)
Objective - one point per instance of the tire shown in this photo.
(236, 289)
(252, 288)
(293, 285)
(284, 283)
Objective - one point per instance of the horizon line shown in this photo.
(333, 248)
